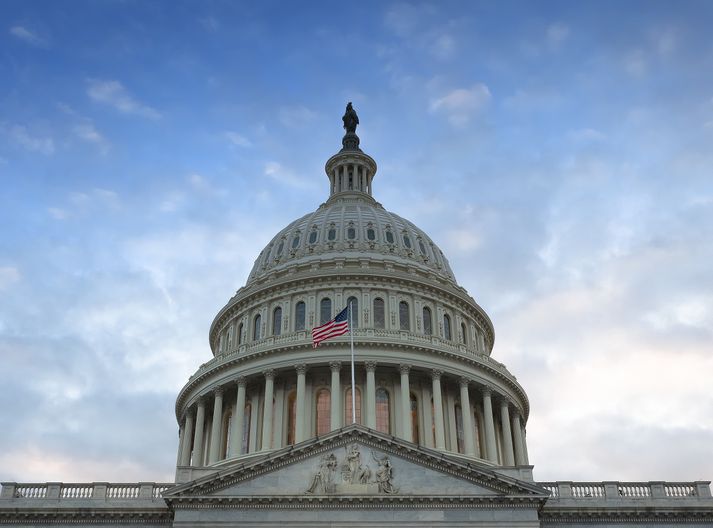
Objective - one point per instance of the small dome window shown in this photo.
(351, 233)
(370, 234)
(332, 234)
(280, 248)
(389, 237)
(267, 256)
(422, 247)
(295, 241)
(407, 241)
(313, 237)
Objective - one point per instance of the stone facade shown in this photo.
(437, 432)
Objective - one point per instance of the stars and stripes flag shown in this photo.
(334, 328)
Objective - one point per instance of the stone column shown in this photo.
(438, 410)
(267, 409)
(466, 414)
(524, 444)
(198, 437)
(335, 421)
(490, 446)
(236, 434)
(370, 394)
(517, 437)
(300, 403)
(187, 440)
(407, 426)
(508, 453)
(216, 431)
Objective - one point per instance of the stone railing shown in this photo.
(618, 491)
(94, 491)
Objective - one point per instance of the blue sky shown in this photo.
(559, 153)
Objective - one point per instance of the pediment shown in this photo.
(355, 461)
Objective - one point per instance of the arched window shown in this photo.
(277, 321)
(324, 409)
(353, 304)
(256, 327)
(414, 419)
(332, 234)
(299, 316)
(379, 319)
(447, 327)
(463, 334)
(427, 321)
(389, 237)
(291, 417)
(459, 429)
(370, 234)
(240, 333)
(246, 428)
(227, 427)
(382, 411)
(407, 242)
(348, 406)
(421, 247)
(279, 249)
(325, 310)
(295, 241)
(313, 237)
(404, 322)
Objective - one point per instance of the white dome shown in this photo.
(354, 226)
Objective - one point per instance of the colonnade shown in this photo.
(504, 445)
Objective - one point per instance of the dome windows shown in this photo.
(296, 241)
(404, 316)
(422, 248)
(299, 316)
(389, 236)
(379, 319)
(351, 233)
(371, 234)
(313, 237)
(277, 321)
(332, 234)
(325, 310)
(279, 249)
(447, 327)
(427, 321)
(407, 241)
(256, 327)
(353, 305)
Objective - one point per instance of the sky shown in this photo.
(560, 153)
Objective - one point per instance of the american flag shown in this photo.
(334, 328)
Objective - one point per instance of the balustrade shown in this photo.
(79, 491)
(618, 491)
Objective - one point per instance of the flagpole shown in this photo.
(351, 339)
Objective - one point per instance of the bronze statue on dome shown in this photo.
(350, 119)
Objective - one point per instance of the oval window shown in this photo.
(371, 234)
(332, 234)
(389, 237)
(421, 247)
(351, 233)
(407, 241)
(280, 248)
(295, 242)
(313, 237)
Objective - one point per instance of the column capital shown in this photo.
(486, 390)
(370, 366)
(269, 374)
(436, 374)
(464, 382)
(404, 368)
(201, 400)
(218, 391)
(505, 403)
(241, 381)
(301, 368)
(335, 366)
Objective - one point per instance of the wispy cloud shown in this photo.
(115, 95)
(284, 175)
(30, 37)
(8, 276)
(557, 33)
(296, 116)
(21, 136)
(461, 104)
(88, 132)
(238, 140)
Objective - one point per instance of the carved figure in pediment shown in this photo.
(323, 480)
(352, 470)
(384, 475)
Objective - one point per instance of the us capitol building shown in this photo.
(265, 426)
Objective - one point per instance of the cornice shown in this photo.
(86, 515)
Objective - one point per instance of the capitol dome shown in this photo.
(422, 345)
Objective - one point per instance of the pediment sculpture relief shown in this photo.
(354, 477)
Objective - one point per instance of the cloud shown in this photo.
(635, 63)
(22, 137)
(27, 36)
(461, 104)
(115, 95)
(557, 33)
(87, 132)
(238, 140)
(8, 276)
(296, 116)
(443, 46)
(277, 172)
